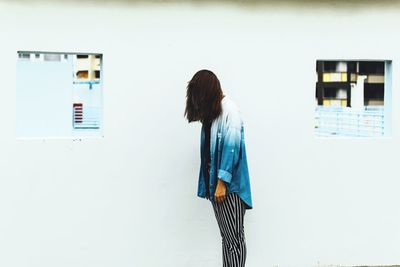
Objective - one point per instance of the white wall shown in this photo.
(130, 199)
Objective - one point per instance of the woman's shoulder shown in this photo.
(229, 104)
(231, 110)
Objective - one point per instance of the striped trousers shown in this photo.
(230, 214)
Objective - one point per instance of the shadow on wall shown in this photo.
(239, 3)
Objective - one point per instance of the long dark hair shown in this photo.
(203, 97)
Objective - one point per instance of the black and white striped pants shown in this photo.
(230, 214)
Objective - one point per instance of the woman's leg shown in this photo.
(230, 215)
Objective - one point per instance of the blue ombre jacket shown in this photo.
(228, 154)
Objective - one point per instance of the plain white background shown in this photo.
(129, 199)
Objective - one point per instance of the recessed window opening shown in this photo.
(353, 98)
(59, 95)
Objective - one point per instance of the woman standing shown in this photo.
(224, 176)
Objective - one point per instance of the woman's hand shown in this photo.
(220, 191)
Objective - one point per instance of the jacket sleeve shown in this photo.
(229, 156)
